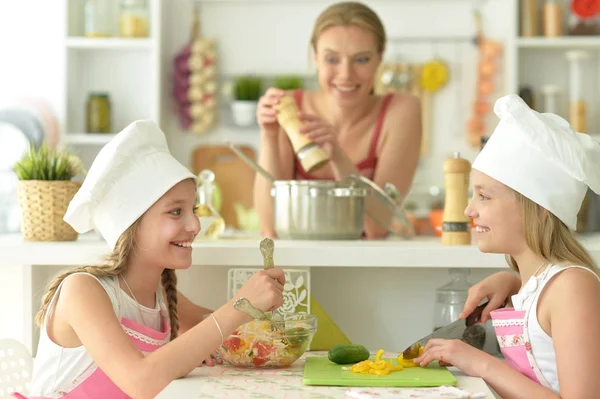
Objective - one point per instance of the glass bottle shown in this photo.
(134, 19)
(97, 19)
(212, 224)
(451, 297)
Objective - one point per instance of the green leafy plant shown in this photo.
(288, 82)
(46, 163)
(247, 88)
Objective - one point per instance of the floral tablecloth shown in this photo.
(231, 383)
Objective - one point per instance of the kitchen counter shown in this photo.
(243, 251)
(224, 381)
(401, 276)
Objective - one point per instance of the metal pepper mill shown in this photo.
(455, 228)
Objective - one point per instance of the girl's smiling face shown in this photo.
(167, 230)
(497, 215)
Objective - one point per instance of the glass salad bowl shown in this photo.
(269, 344)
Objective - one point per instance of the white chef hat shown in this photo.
(540, 156)
(128, 175)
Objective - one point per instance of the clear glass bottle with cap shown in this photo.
(212, 224)
(451, 297)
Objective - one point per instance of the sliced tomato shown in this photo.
(232, 344)
(258, 361)
(263, 349)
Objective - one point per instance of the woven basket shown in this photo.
(43, 205)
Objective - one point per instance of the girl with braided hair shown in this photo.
(116, 330)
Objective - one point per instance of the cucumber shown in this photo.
(348, 354)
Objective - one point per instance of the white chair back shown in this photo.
(16, 366)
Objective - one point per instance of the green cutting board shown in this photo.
(320, 370)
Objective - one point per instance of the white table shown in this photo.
(226, 382)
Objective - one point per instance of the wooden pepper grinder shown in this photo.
(310, 154)
(455, 229)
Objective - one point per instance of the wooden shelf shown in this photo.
(88, 138)
(84, 43)
(567, 42)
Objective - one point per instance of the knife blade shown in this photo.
(454, 330)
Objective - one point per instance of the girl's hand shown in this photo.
(264, 289)
(497, 288)
(321, 132)
(465, 357)
(266, 115)
(213, 359)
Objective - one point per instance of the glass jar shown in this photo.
(212, 223)
(98, 115)
(134, 19)
(451, 297)
(97, 20)
(553, 18)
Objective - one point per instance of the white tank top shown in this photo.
(541, 343)
(55, 367)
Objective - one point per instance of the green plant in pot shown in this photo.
(288, 82)
(44, 190)
(246, 91)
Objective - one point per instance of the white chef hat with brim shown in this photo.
(127, 177)
(540, 156)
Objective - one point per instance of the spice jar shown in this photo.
(583, 19)
(98, 113)
(553, 18)
(134, 18)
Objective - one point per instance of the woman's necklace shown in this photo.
(136, 301)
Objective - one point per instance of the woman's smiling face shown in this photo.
(347, 59)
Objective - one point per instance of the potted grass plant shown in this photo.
(44, 190)
(246, 92)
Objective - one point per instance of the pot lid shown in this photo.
(385, 206)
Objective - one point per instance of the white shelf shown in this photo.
(88, 138)
(84, 43)
(567, 42)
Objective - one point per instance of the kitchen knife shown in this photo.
(454, 330)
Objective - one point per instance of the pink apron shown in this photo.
(97, 385)
(511, 330)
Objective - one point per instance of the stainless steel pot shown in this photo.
(330, 210)
(318, 210)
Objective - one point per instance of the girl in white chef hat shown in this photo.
(528, 185)
(108, 331)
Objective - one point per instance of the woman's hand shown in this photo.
(465, 357)
(266, 115)
(321, 132)
(264, 289)
(497, 288)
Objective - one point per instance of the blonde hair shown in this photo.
(115, 264)
(547, 236)
(349, 13)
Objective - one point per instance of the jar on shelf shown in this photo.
(97, 19)
(553, 18)
(584, 18)
(134, 19)
(98, 115)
